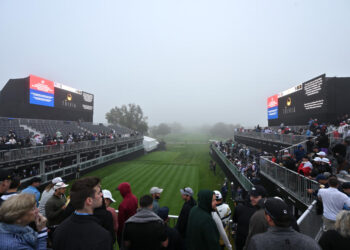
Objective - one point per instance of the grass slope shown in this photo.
(180, 166)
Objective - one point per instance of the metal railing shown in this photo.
(241, 178)
(25, 153)
(62, 172)
(282, 138)
(310, 223)
(293, 183)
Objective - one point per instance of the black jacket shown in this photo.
(104, 217)
(80, 232)
(241, 216)
(181, 224)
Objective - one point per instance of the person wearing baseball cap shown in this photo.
(155, 193)
(47, 193)
(34, 183)
(108, 198)
(55, 206)
(280, 234)
(190, 202)
(243, 213)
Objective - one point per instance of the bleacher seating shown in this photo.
(13, 124)
(94, 128)
(50, 127)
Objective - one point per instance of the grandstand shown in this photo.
(296, 129)
(46, 130)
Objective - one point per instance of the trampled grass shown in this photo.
(180, 166)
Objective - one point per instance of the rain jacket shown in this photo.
(202, 233)
(127, 207)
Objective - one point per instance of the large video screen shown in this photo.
(73, 101)
(300, 103)
(41, 91)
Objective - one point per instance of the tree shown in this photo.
(130, 116)
(176, 128)
(163, 129)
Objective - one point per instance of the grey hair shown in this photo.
(342, 223)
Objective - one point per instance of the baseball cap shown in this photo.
(320, 177)
(5, 174)
(56, 180)
(59, 185)
(187, 191)
(155, 190)
(35, 179)
(217, 195)
(317, 159)
(258, 190)
(325, 160)
(277, 209)
(107, 195)
(163, 213)
(321, 153)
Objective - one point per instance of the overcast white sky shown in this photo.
(190, 61)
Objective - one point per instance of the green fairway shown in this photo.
(180, 166)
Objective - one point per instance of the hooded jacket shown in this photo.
(202, 233)
(127, 207)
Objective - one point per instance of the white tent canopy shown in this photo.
(149, 143)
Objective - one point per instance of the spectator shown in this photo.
(299, 153)
(222, 208)
(5, 181)
(243, 213)
(106, 220)
(34, 183)
(258, 223)
(127, 207)
(15, 215)
(82, 229)
(181, 224)
(155, 193)
(339, 238)
(15, 183)
(55, 206)
(221, 217)
(145, 230)
(280, 235)
(174, 238)
(202, 233)
(333, 202)
(108, 201)
(305, 167)
(47, 193)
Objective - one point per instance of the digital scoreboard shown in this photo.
(295, 106)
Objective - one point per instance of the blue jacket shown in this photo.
(15, 237)
(33, 190)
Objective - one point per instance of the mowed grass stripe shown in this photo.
(180, 166)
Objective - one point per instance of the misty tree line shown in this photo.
(131, 116)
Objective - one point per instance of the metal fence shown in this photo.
(292, 182)
(282, 138)
(310, 223)
(66, 171)
(241, 178)
(25, 153)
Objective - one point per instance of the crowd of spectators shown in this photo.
(12, 141)
(85, 220)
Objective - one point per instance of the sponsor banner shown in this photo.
(272, 101)
(272, 113)
(41, 98)
(41, 84)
